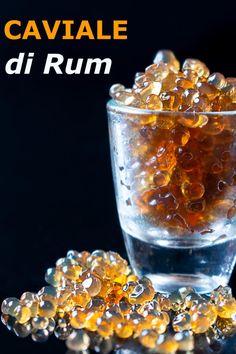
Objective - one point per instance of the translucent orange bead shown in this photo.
(8, 305)
(200, 323)
(208, 90)
(104, 328)
(153, 88)
(227, 308)
(63, 296)
(148, 338)
(98, 267)
(96, 304)
(124, 306)
(83, 257)
(221, 293)
(124, 330)
(170, 101)
(184, 83)
(151, 69)
(154, 102)
(48, 293)
(33, 308)
(92, 284)
(141, 293)
(121, 279)
(164, 302)
(53, 276)
(182, 322)
(40, 322)
(125, 97)
(180, 135)
(191, 75)
(132, 278)
(78, 319)
(160, 71)
(91, 320)
(161, 178)
(149, 306)
(114, 294)
(203, 315)
(104, 289)
(138, 323)
(27, 298)
(218, 80)
(47, 309)
(143, 79)
(129, 287)
(157, 320)
(72, 272)
(113, 315)
(189, 95)
(193, 121)
(201, 104)
(230, 88)
(80, 296)
(22, 314)
(193, 191)
(116, 88)
(176, 300)
(197, 66)
(168, 57)
(169, 83)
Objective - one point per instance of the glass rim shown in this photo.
(114, 106)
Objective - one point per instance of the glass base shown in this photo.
(167, 283)
(171, 265)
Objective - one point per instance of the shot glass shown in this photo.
(175, 185)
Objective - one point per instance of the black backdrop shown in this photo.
(56, 189)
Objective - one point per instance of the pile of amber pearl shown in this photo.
(97, 296)
(164, 86)
(184, 163)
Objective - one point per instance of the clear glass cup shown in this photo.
(175, 184)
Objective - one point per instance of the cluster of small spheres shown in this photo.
(97, 295)
(164, 86)
(181, 170)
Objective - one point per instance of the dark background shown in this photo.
(56, 189)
